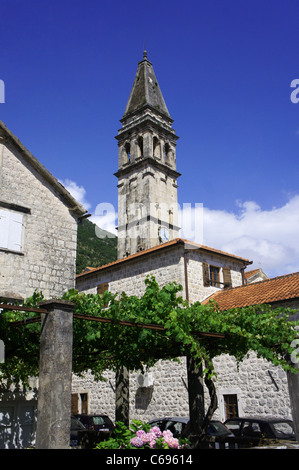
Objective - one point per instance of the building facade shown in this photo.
(38, 242)
(149, 245)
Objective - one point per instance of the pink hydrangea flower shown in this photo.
(136, 442)
(152, 444)
(167, 434)
(156, 431)
(140, 433)
(148, 437)
(172, 442)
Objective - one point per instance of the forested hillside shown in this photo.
(94, 250)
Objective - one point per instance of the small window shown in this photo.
(214, 276)
(11, 230)
(79, 403)
(231, 406)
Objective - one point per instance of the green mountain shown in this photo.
(95, 246)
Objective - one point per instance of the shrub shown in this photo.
(140, 435)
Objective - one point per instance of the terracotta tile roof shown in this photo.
(263, 292)
(248, 274)
(177, 241)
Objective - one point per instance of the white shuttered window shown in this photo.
(11, 227)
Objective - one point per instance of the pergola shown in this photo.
(55, 373)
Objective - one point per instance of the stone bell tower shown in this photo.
(147, 176)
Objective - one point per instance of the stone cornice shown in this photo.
(143, 162)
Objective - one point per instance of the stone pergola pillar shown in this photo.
(55, 376)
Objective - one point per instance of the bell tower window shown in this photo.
(167, 153)
(156, 148)
(140, 146)
(128, 151)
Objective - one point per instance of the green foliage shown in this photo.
(92, 250)
(21, 344)
(100, 346)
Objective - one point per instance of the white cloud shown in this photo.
(269, 238)
(105, 218)
(78, 192)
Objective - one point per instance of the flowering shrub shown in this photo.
(141, 436)
(155, 439)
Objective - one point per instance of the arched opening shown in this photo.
(140, 146)
(167, 153)
(156, 148)
(128, 151)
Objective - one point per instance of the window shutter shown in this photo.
(101, 288)
(4, 228)
(206, 274)
(15, 232)
(227, 278)
(11, 226)
(74, 404)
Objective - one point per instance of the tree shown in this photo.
(165, 327)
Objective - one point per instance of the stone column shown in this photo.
(196, 399)
(55, 376)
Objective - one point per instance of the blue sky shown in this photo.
(224, 67)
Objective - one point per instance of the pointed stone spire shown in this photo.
(145, 90)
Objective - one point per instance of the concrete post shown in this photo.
(55, 376)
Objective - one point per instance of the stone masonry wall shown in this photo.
(167, 265)
(48, 256)
(260, 387)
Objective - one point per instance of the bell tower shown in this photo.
(147, 175)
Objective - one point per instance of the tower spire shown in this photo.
(146, 90)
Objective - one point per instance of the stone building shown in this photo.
(149, 244)
(38, 225)
(38, 242)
